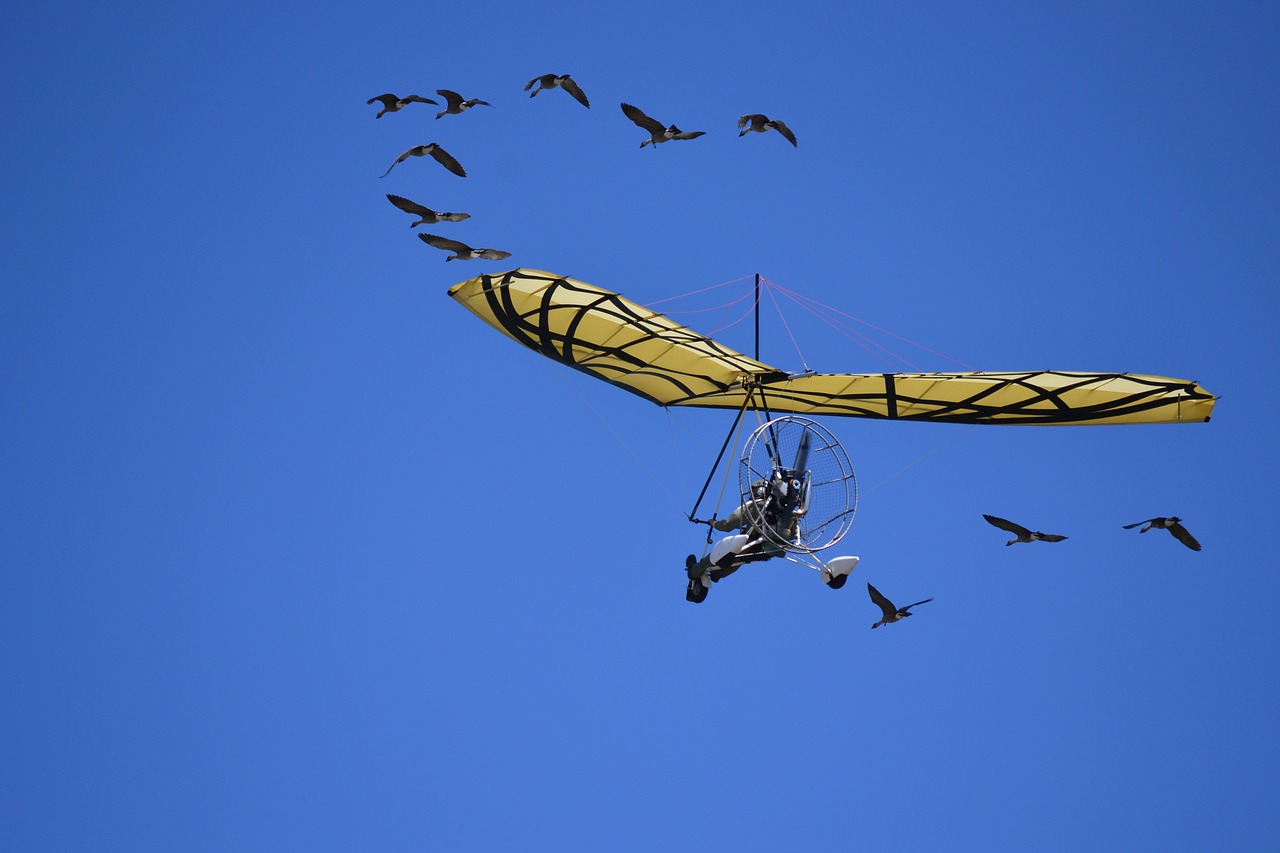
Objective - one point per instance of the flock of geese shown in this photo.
(1173, 524)
(455, 104)
(659, 133)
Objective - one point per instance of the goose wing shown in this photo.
(883, 603)
(416, 150)
(575, 90)
(444, 158)
(444, 243)
(1184, 536)
(1005, 524)
(786, 132)
(453, 98)
(410, 206)
(637, 115)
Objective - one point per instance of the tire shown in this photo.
(696, 592)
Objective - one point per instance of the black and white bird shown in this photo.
(456, 104)
(394, 103)
(657, 132)
(1173, 524)
(444, 158)
(756, 123)
(1021, 533)
(551, 81)
(891, 613)
(461, 251)
(426, 216)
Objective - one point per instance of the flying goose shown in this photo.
(444, 158)
(456, 103)
(1021, 533)
(891, 613)
(1171, 524)
(426, 214)
(462, 251)
(756, 123)
(657, 133)
(564, 81)
(392, 103)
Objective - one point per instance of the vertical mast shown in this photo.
(757, 356)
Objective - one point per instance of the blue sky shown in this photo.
(299, 555)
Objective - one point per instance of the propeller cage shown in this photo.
(797, 485)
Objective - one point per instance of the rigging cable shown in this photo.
(695, 292)
(921, 458)
(620, 440)
(733, 432)
(785, 325)
(809, 303)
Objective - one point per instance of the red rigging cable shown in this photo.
(696, 292)
(721, 307)
(809, 304)
(720, 328)
(873, 347)
(827, 314)
(787, 326)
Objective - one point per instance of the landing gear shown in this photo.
(698, 588)
(696, 591)
(836, 572)
(837, 581)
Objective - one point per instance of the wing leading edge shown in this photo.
(608, 336)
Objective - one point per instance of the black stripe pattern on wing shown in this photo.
(614, 364)
(890, 401)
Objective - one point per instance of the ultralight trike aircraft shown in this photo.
(796, 487)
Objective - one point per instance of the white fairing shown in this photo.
(727, 546)
(837, 567)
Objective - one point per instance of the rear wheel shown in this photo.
(695, 591)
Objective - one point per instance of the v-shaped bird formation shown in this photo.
(456, 104)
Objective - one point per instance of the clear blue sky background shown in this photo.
(297, 554)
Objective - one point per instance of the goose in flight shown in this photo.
(1173, 525)
(426, 216)
(564, 81)
(891, 613)
(461, 251)
(1021, 533)
(657, 133)
(392, 103)
(756, 123)
(457, 104)
(444, 158)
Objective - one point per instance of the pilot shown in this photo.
(762, 524)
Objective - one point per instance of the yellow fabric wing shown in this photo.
(604, 334)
